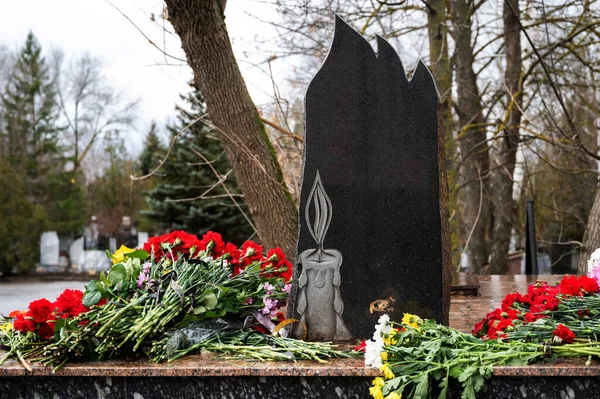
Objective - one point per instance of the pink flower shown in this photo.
(270, 306)
(269, 288)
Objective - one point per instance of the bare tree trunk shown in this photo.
(446, 234)
(507, 144)
(472, 140)
(204, 38)
(441, 68)
(591, 237)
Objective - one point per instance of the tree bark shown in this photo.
(446, 234)
(507, 144)
(472, 142)
(204, 38)
(591, 237)
(441, 68)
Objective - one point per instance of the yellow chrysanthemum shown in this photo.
(387, 371)
(6, 327)
(119, 255)
(384, 356)
(378, 381)
(375, 392)
(411, 320)
(394, 395)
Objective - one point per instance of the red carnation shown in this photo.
(478, 328)
(251, 252)
(40, 310)
(530, 317)
(45, 331)
(570, 285)
(564, 333)
(589, 285)
(281, 266)
(213, 243)
(24, 324)
(510, 299)
(362, 347)
(68, 304)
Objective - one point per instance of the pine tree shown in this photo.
(30, 113)
(31, 139)
(21, 224)
(184, 176)
(152, 145)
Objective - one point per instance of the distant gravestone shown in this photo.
(77, 254)
(142, 238)
(49, 250)
(371, 236)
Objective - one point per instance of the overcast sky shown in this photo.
(132, 63)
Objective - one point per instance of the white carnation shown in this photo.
(373, 351)
(594, 259)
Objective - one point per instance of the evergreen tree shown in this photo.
(31, 141)
(152, 145)
(30, 113)
(21, 226)
(184, 176)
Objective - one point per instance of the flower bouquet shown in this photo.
(418, 357)
(176, 295)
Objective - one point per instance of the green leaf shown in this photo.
(92, 286)
(422, 389)
(444, 386)
(103, 278)
(467, 373)
(58, 325)
(91, 298)
(108, 254)
(138, 254)
(210, 300)
(468, 392)
(455, 371)
(252, 269)
(478, 381)
(392, 384)
(117, 274)
(215, 313)
(199, 309)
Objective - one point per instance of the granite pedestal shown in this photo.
(209, 377)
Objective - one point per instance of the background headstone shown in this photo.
(142, 238)
(77, 254)
(371, 187)
(49, 250)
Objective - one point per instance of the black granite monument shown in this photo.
(370, 237)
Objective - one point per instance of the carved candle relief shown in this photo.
(320, 303)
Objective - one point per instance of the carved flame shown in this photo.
(323, 211)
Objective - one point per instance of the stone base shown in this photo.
(270, 387)
(203, 377)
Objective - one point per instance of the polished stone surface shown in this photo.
(465, 311)
(372, 137)
(205, 376)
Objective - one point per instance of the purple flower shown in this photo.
(287, 288)
(248, 301)
(141, 280)
(270, 306)
(146, 267)
(269, 288)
